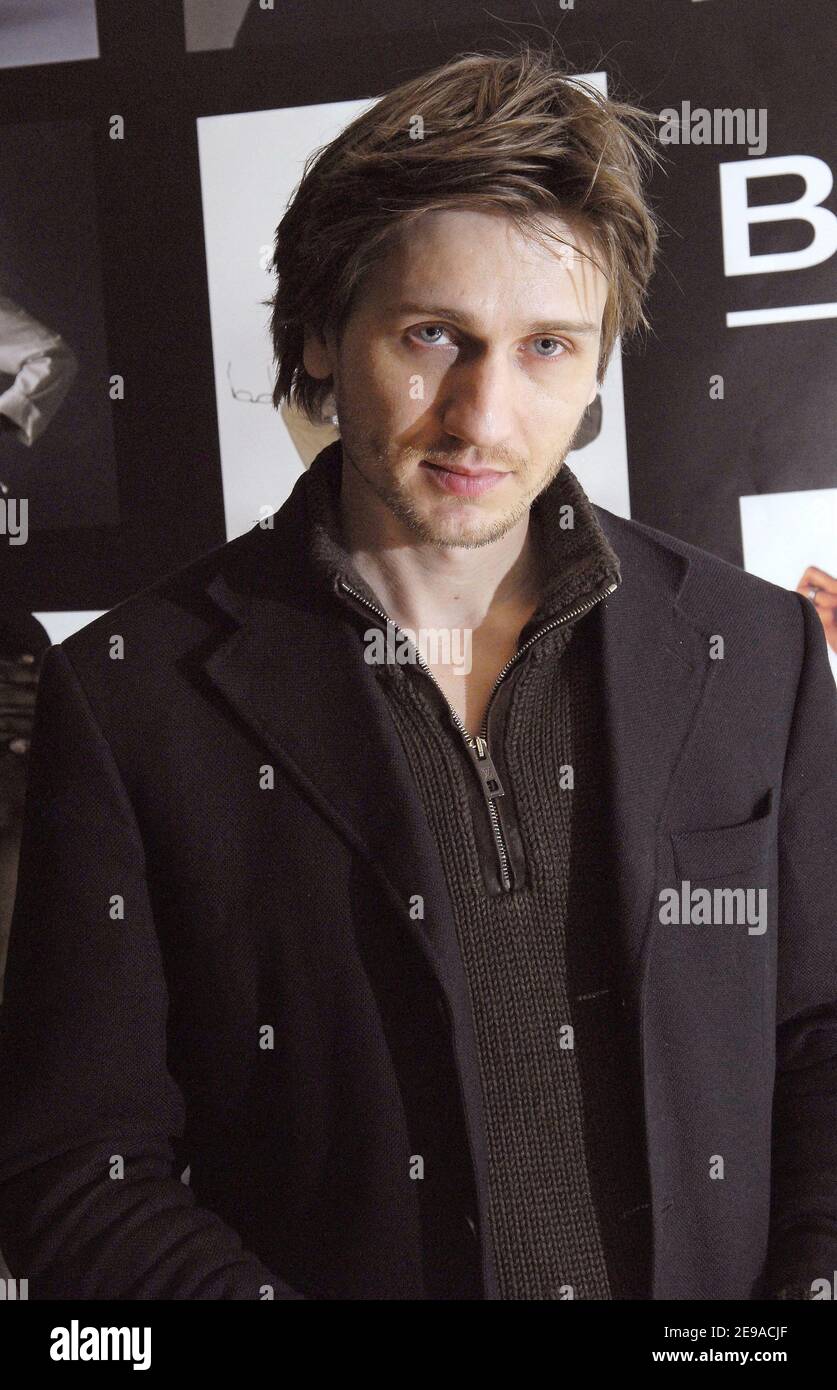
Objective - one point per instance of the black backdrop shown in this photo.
(690, 456)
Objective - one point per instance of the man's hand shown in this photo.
(821, 588)
(18, 691)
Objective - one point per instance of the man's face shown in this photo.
(469, 346)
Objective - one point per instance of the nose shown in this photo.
(477, 400)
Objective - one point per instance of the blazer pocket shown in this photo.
(726, 849)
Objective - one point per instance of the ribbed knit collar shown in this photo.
(575, 562)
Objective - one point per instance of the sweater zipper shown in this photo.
(477, 744)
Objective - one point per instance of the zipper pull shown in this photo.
(488, 773)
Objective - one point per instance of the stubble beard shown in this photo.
(470, 535)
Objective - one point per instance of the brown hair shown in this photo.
(513, 132)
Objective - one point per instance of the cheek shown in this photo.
(403, 387)
(365, 381)
(575, 384)
(564, 389)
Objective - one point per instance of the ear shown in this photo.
(316, 357)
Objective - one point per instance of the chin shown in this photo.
(470, 531)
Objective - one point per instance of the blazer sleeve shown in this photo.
(803, 1226)
(89, 1204)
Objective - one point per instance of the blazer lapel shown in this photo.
(656, 672)
(657, 676)
(294, 672)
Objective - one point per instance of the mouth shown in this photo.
(463, 482)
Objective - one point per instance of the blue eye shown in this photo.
(431, 328)
(437, 328)
(558, 343)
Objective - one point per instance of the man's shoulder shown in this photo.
(715, 584)
(174, 610)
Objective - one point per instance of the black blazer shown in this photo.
(215, 962)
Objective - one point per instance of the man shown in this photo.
(373, 938)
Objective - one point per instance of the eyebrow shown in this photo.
(538, 326)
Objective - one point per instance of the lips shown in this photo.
(462, 482)
(465, 472)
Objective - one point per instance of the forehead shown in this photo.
(480, 262)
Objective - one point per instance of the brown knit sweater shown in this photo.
(559, 1067)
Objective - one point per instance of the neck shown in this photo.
(424, 585)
